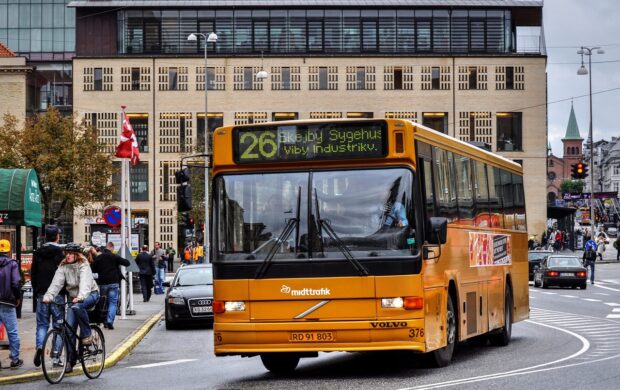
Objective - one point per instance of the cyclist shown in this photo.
(75, 276)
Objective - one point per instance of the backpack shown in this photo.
(590, 255)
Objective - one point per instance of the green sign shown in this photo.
(320, 141)
(20, 197)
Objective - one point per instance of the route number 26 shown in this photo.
(263, 145)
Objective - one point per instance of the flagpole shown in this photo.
(129, 239)
(123, 225)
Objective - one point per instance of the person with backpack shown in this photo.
(159, 257)
(9, 299)
(107, 267)
(187, 255)
(45, 262)
(589, 258)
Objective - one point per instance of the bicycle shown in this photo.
(55, 352)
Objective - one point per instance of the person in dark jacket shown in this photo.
(106, 266)
(147, 271)
(45, 262)
(9, 300)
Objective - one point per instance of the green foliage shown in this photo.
(572, 186)
(72, 169)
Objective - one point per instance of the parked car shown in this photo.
(560, 271)
(189, 297)
(611, 229)
(534, 258)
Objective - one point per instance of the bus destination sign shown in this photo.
(319, 141)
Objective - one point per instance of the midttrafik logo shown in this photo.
(304, 291)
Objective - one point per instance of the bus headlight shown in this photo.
(220, 307)
(392, 303)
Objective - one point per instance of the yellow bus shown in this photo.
(362, 235)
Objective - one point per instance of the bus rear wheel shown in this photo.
(280, 363)
(443, 356)
(502, 337)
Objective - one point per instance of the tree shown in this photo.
(73, 170)
(572, 186)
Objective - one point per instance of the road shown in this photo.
(572, 341)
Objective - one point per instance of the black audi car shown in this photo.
(534, 258)
(189, 297)
(560, 271)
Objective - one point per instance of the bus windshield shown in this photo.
(321, 214)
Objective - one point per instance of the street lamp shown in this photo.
(262, 74)
(211, 38)
(588, 51)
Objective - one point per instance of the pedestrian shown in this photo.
(147, 272)
(159, 257)
(9, 300)
(75, 276)
(91, 253)
(107, 267)
(199, 253)
(45, 261)
(170, 252)
(589, 258)
(600, 246)
(617, 248)
(187, 254)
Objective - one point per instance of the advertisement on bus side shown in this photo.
(488, 249)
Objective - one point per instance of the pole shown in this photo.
(207, 151)
(591, 146)
(128, 238)
(123, 232)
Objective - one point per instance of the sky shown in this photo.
(569, 24)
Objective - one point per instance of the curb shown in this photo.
(111, 360)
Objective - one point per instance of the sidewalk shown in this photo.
(118, 341)
(609, 256)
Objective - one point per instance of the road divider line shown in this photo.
(169, 363)
(613, 316)
(591, 300)
(606, 288)
(521, 371)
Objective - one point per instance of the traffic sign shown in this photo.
(112, 216)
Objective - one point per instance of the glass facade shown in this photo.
(37, 29)
(318, 31)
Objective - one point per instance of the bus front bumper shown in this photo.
(303, 337)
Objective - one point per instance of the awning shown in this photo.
(20, 198)
(557, 212)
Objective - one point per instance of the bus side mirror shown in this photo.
(438, 228)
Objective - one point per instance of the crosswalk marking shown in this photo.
(616, 310)
(591, 300)
(613, 316)
(612, 304)
(604, 294)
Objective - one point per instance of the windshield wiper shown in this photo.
(291, 224)
(324, 224)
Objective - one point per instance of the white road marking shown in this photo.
(520, 371)
(616, 310)
(605, 294)
(591, 300)
(606, 288)
(164, 363)
(612, 304)
(613, 316)
(568, 296)
(548, 293)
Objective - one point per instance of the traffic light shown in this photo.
(582, 170)
(573, 171)
(184, 190)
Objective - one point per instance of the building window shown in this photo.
(473, 77)
(173, 79)
(409, 115)
(315, 35)
(509, 131)
(248, 118)
(476, 126)
(551, 163)
(140, 124)
(248, 78)
(285, 78)
(360, 77)
(245, 79)
(435, 77)
(284, 116)
(135, 79)
(98, 79)
(510, 77)
(360, 115)
(325, 115)
(139, 175)
(616, 169)
(215, 120)
(436, 121)
(175, 132)
(216, 78)
(107, 126)
(370, 31)
(398, 78)
(167, 188)
(323, 78)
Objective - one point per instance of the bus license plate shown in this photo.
(567, 274)
(309, 337)
(202, 309)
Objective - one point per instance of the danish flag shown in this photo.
(128, 147)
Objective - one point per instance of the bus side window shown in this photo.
(429, 194)
(508, 199)
(444, 183)
(482, 216)
(519, 203)
(464, 189)
(495, 197)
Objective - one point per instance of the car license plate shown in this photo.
(567, 274)
(202, 309)
(309, 337)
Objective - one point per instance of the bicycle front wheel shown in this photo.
(54, 356)
(93, 356)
